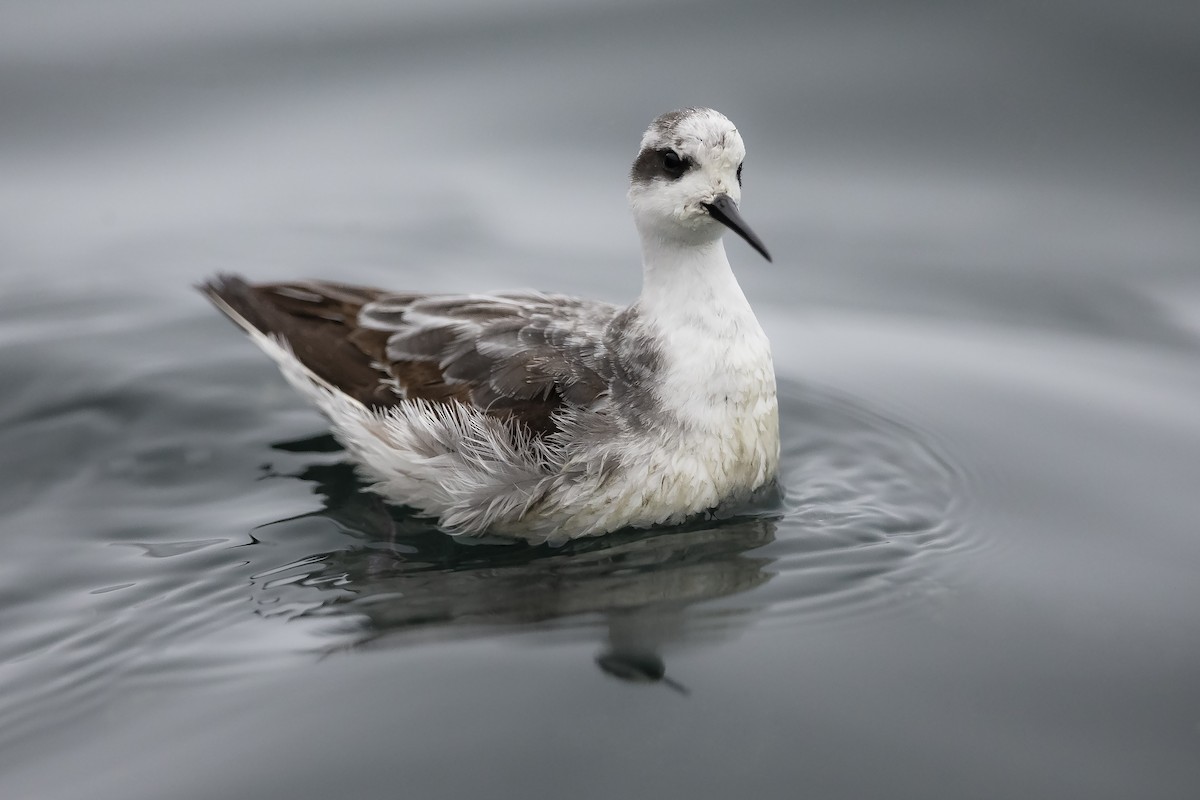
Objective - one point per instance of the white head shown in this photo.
(686, 183)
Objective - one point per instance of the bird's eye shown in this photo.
(673, 164)
(739, 174)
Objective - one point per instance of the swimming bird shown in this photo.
(545, 417)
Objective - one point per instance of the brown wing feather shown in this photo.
(315, 324)
(515, 371)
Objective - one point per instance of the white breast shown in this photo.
(718, 386)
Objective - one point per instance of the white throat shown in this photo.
(714, 350)
(691, 288)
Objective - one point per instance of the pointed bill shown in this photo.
(724, 210)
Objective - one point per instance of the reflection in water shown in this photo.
(633, 643)
(404, 581)
(861, 498)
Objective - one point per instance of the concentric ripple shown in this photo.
(869, 501)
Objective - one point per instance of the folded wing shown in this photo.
(515, 355)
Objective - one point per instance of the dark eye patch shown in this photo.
(659, 164)
(740, 174)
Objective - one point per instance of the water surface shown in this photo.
(978, 577)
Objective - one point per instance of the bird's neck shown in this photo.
(710, 344)
(716, 379)
(685, 286)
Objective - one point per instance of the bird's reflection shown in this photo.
(634, 640)
(402, 581)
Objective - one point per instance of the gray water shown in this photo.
(980, 578)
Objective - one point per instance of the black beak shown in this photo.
(724, 210)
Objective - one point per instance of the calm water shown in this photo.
(981, 577)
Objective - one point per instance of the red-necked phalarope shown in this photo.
(546, 417)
